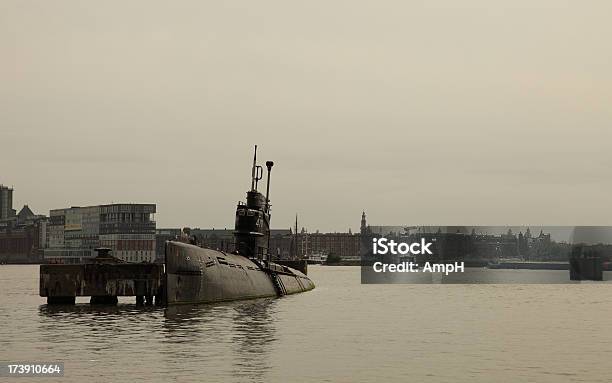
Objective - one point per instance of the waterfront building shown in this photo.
(282, 244)
(22, 244)
(23, 234)
(345, 245)
(55, 229)
(6, 203)
(127, 229)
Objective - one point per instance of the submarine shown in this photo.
(195, 274)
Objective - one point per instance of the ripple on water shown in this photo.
(341, 331)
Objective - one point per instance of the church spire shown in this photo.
(363, 222)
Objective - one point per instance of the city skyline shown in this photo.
(559, 233)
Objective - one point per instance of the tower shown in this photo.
(363, 223)
(294, 240)
(6, 202)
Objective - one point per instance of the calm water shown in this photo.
(342, 331)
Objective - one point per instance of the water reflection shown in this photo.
(253, 337)
(95, 327)
(218, 340)
(90, 310)
(188, 320)
(246, 328)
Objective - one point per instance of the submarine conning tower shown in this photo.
(252, 228)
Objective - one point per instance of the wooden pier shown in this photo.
(104, 280)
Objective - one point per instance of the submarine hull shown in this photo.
(200, 275)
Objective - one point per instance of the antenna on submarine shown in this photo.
(256, 172)
(269, 165)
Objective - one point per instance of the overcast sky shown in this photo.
(418, 112)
